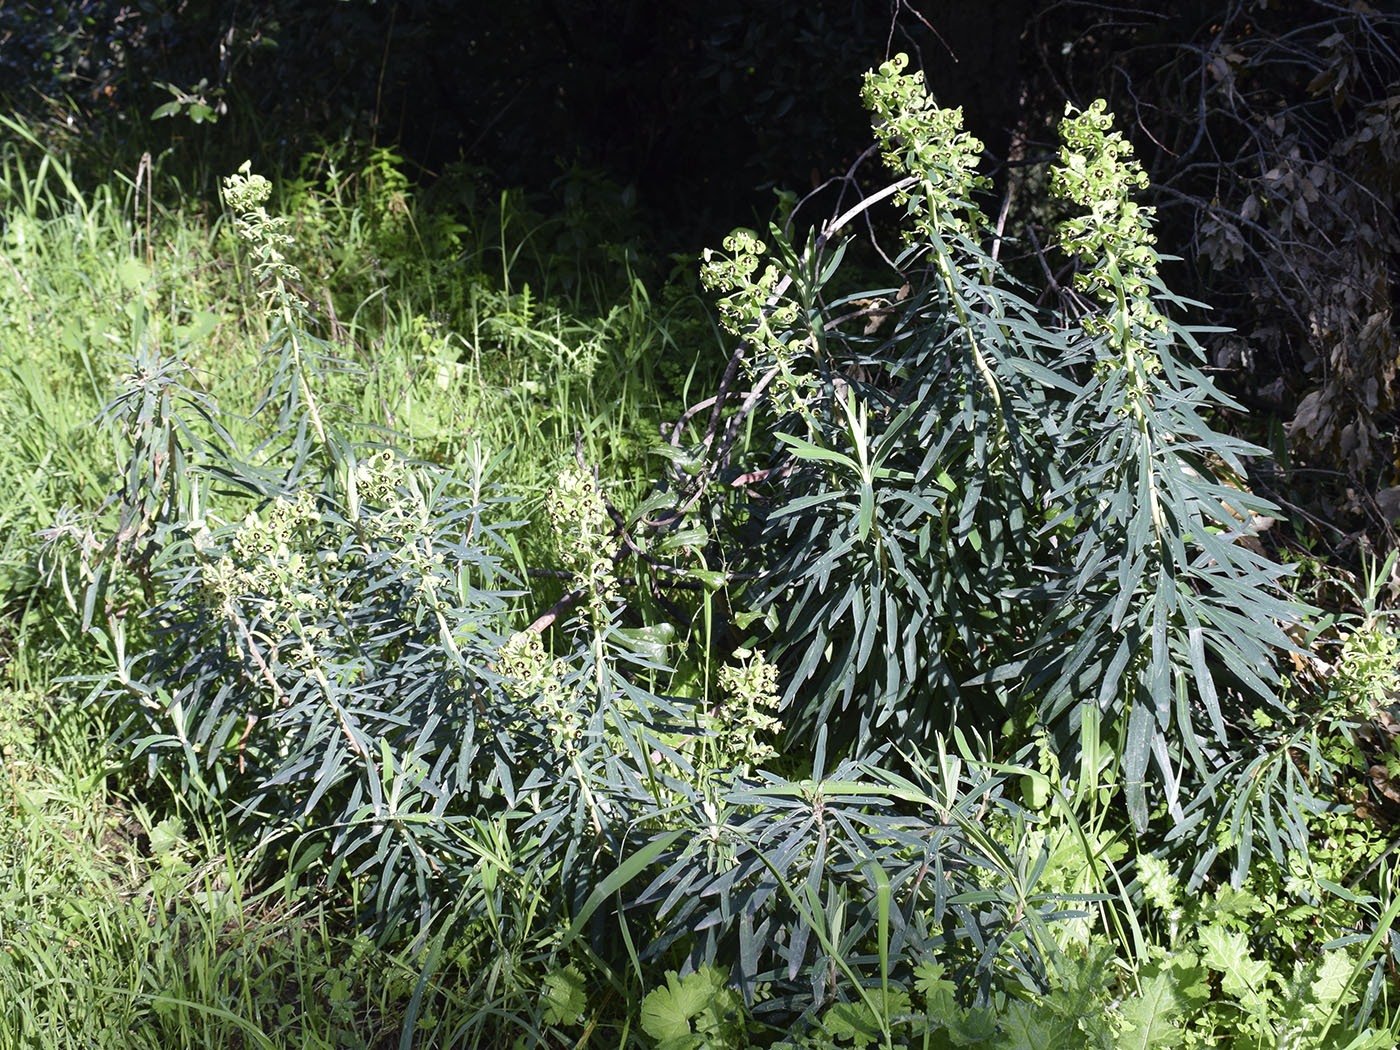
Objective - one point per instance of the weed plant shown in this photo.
(989, 509)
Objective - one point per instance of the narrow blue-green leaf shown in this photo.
(619, 877)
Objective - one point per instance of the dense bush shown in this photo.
(979, 510)
(329, 661)
(986, 561)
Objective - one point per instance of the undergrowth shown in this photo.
(404, 648)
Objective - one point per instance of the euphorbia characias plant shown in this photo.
(993, 507)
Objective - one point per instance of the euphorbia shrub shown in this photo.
(980, 508)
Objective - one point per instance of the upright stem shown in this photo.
(292, 333)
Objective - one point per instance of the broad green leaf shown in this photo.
(649, 642)
(1333, 974)
(1149, 1017)
(692, 535)
(133, 274)
(1023, 1028)
(685, 459)
(853, 1022)
(667, 1012)
(1242, 976)
(857, 1022)
(711, 579)
(167, 837)
(938, 991)
(565, 996)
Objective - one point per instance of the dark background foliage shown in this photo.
(702, 108)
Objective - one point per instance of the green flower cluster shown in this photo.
(582, 533)
(384, 483)
(928, 142)
(273, 566)
(245, 193)
(401, 515)
(529, 674)
(1113, 236)
(733, 273)
(267, 568)
(747, 714)
(753, 311)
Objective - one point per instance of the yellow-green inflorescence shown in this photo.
(1365, 678)
(273, 569)
(381, 481)
(245, 193)
(1112, 236)
(733, 272)
(750, 309)
(745, 717)
(924, 140)
(529, 674)
(266, 571)
(582, 532)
